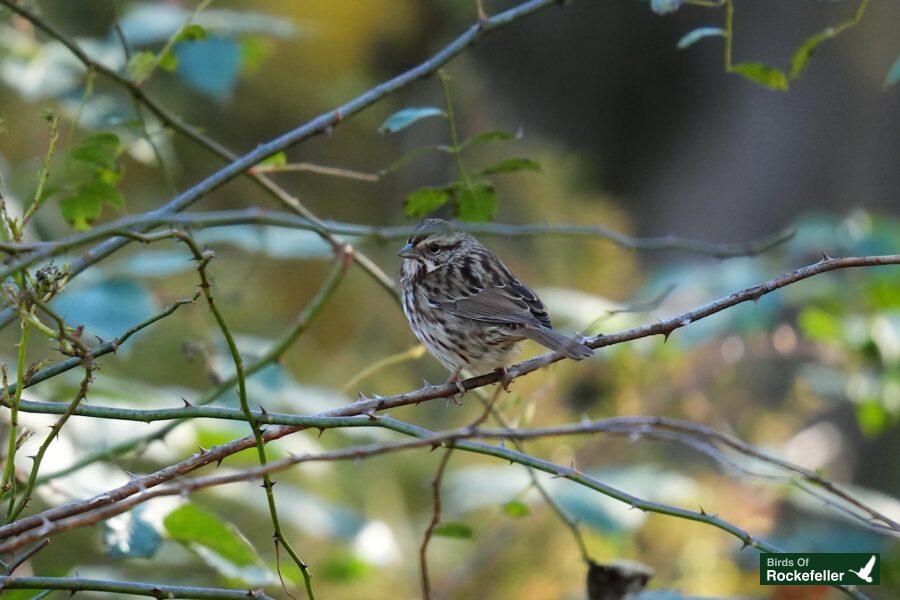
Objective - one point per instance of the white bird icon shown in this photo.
(866, 572)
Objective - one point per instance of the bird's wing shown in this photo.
(868, 568)
(512, 303)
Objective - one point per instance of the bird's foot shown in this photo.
(455, 379)
(505, 378)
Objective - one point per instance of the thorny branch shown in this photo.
(129, 588)
(203, 258)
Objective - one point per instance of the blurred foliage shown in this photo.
(811, 373)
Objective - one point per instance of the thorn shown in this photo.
(186, 403)
(746, 543)
(666, 335)
(435, 446)
(262, 409)
(203, 450)
(371, 414)
(702, 512)
(219, 462)
(321, 431)
(825, 257)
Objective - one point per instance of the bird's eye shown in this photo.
(433, 248)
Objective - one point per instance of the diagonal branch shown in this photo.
(317, 126)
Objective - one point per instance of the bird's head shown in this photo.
(435, 243)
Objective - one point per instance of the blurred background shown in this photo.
(629, 133)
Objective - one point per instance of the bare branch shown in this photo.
(130, 588)
(435, 520)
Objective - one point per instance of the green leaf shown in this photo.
(495, 136)
(191, 33)
(189, 525)
(802, 54)
(511, 165)
(516, 509)
(453, 530)
(764, 75)
(105, 139)
(168, 61)
(477, 203)
(691, 37)
(406, 117)
(279, 159)
(98, 150)
(86, 204)
(893, 75)
(141, 65)
(423, 202)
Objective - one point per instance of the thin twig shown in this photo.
(99, 350)
(414, 353)
(435, 520)
(203, 258)
(9, 471)
(130, 588)
(21, 560)
(45, 171)
(307, 167)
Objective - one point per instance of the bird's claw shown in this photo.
(454, 379)
(505, 378)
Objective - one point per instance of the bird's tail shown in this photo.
(554, 340)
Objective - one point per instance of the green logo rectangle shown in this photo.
(820, 568)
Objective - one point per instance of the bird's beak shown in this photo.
(407, 251)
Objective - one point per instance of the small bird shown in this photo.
(466, 307)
